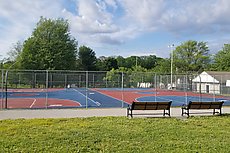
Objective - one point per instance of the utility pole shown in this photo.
(171, 52)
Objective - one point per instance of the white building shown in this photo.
(212, 82)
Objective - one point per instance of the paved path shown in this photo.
(72, 113)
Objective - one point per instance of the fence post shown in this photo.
(65, 84)
(47, 86)
(122, 86)
(214, 88)
(200, 88)
(2, 89)
(155, 78)
(6, 79)
(86, 89)
(186, 88)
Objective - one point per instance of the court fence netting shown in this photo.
(39, 88)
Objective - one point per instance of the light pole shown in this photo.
(171, 52)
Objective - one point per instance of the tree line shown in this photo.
(52, 47)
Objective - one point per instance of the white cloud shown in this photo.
(112, 3)
(145, 14)
(114, 22)
(93, 18)
(18, 18)
(196, 16)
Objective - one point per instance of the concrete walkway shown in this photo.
(72, 113)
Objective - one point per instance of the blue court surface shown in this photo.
(182, 100)
(95, 98)
(87, 98)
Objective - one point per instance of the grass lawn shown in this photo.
(116, 134)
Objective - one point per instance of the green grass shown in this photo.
(116, 134)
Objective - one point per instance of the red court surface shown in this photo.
(97, 97)
(38, 103)
(133, 95)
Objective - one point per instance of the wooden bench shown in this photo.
(149, 106)
(202, 105)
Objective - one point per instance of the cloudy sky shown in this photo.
(122, 27)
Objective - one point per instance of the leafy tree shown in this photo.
(191, 56)
(100, 63)
(50, 47)
(120, 61)
(221, 59)
(86, 59)
(111, 63)
(148, 62)
(162, 66)
(15, 51)
(114, 77)
(131, 61)
(138, 69)
(14, 56)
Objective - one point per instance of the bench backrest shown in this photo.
(205, 105)
(151, 105)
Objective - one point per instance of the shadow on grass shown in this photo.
(225, 114)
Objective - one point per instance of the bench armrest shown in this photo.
(129, 106)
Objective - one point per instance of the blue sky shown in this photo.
(122, 27)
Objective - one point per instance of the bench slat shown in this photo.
(202, 105)
(149, 106)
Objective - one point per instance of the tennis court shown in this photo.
(34, 89)
(97, 97)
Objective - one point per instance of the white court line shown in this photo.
(110, 96)
(33, 103)
(96, 102)
(161, 97)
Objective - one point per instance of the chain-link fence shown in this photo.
(64, 89)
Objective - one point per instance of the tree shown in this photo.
(120, 61)
(162, 66)
(221, 59)
(100, 64)
(86, 59)
(110, 63)
(148, 62)
(14, 56)
(131, 61)
(191, 56)
(15, 51)
(50, 47)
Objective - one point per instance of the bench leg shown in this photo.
(168, 113)
(215, 112)
(129, 112)
(184, 111)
